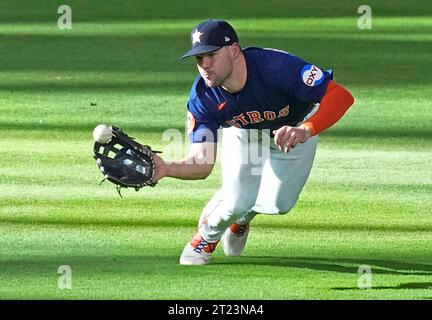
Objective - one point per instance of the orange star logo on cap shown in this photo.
(196, 36)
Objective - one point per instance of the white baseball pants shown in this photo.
(256, 178)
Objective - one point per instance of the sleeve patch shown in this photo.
(312, 75)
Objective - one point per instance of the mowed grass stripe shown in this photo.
(340, 25)
(146, 262)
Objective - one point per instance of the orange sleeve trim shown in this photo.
(335, 102)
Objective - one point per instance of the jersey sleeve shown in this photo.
(306, 81)
(201, 126)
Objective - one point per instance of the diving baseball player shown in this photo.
(271, 105)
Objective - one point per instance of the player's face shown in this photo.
(215, 67)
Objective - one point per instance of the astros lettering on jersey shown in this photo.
(281, 89)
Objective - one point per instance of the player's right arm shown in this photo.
(202, 130)
(198, 164)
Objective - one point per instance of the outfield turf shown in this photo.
(367, 202)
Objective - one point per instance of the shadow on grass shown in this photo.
(81, 85)
(375, 133)
(336, 264)
(403, 286)
(148, 220)
(158, 263)
(380, 133)
(139, 10)
(353, 227)
(88, 264)
(142, 53)
(145, 215)
(91, 222)
(80, 127)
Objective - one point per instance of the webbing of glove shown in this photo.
(132, 164)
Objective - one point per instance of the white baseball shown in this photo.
(102, 134)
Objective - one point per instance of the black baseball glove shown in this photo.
(125, 162)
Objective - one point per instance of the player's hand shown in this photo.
(161, 169)
(286, 137)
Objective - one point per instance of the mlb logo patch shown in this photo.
(312, 75)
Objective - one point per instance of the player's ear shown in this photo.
(235, 50)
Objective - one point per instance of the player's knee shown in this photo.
(283, 212)
(237, 209)
(286, 207)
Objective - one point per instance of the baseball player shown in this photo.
(271, 105)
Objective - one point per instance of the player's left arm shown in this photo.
(335, 102)
(333, 105)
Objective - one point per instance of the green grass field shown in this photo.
(368, 200)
